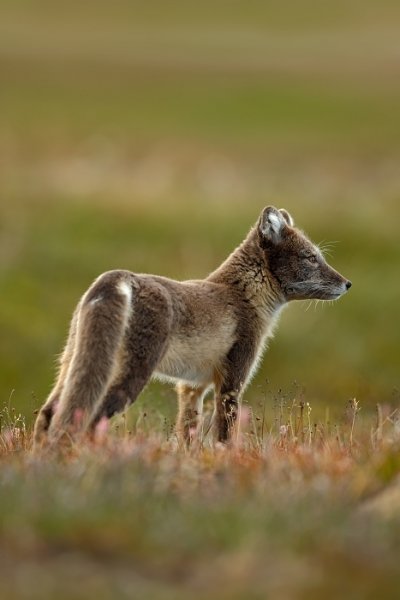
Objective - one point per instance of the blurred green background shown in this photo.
(149, 136)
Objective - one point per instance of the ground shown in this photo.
(292, 509)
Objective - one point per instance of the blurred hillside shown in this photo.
(149, 136)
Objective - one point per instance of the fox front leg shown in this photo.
(230, 389)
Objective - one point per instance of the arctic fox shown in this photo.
(128, 328)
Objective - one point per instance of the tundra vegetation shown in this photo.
(148, 138)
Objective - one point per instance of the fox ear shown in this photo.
(272, 224)
(287, 216)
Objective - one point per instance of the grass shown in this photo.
(293, 509)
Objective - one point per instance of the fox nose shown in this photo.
(348, 285)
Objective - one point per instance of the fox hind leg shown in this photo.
(190, 408)
(144, 345)
(47, 411)
(101, 322)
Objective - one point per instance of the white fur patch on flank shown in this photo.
(125, 289)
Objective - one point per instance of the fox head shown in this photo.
(295, 262)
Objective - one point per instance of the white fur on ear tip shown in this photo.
(275, 222)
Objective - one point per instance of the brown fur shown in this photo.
(199, 334)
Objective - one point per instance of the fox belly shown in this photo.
(193, 359)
